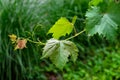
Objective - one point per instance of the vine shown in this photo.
(58, 51)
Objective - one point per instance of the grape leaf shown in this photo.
(114, 12)
(61, 28)
(93, 17)
(59, 51)
(72, 48)
(50, 48)
(106, 23)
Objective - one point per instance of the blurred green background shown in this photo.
(98, 59)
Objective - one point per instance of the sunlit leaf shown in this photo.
(95, 2)
(61, 28)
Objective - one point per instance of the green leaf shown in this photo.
(61, 28)
(74, 19)
(106, 23)
(70, 46)
(50, 48)
(114, 12)
(95, 2)
(93, 17)
(59, 51)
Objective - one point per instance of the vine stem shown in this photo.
(41, 43)
(76, 34)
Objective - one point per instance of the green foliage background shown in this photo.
(98, 59)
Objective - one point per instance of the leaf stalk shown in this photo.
(76, 34)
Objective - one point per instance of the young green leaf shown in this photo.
(74, 19)
(104, 24)
(61, 28)
(59, 51)
(95, 2)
